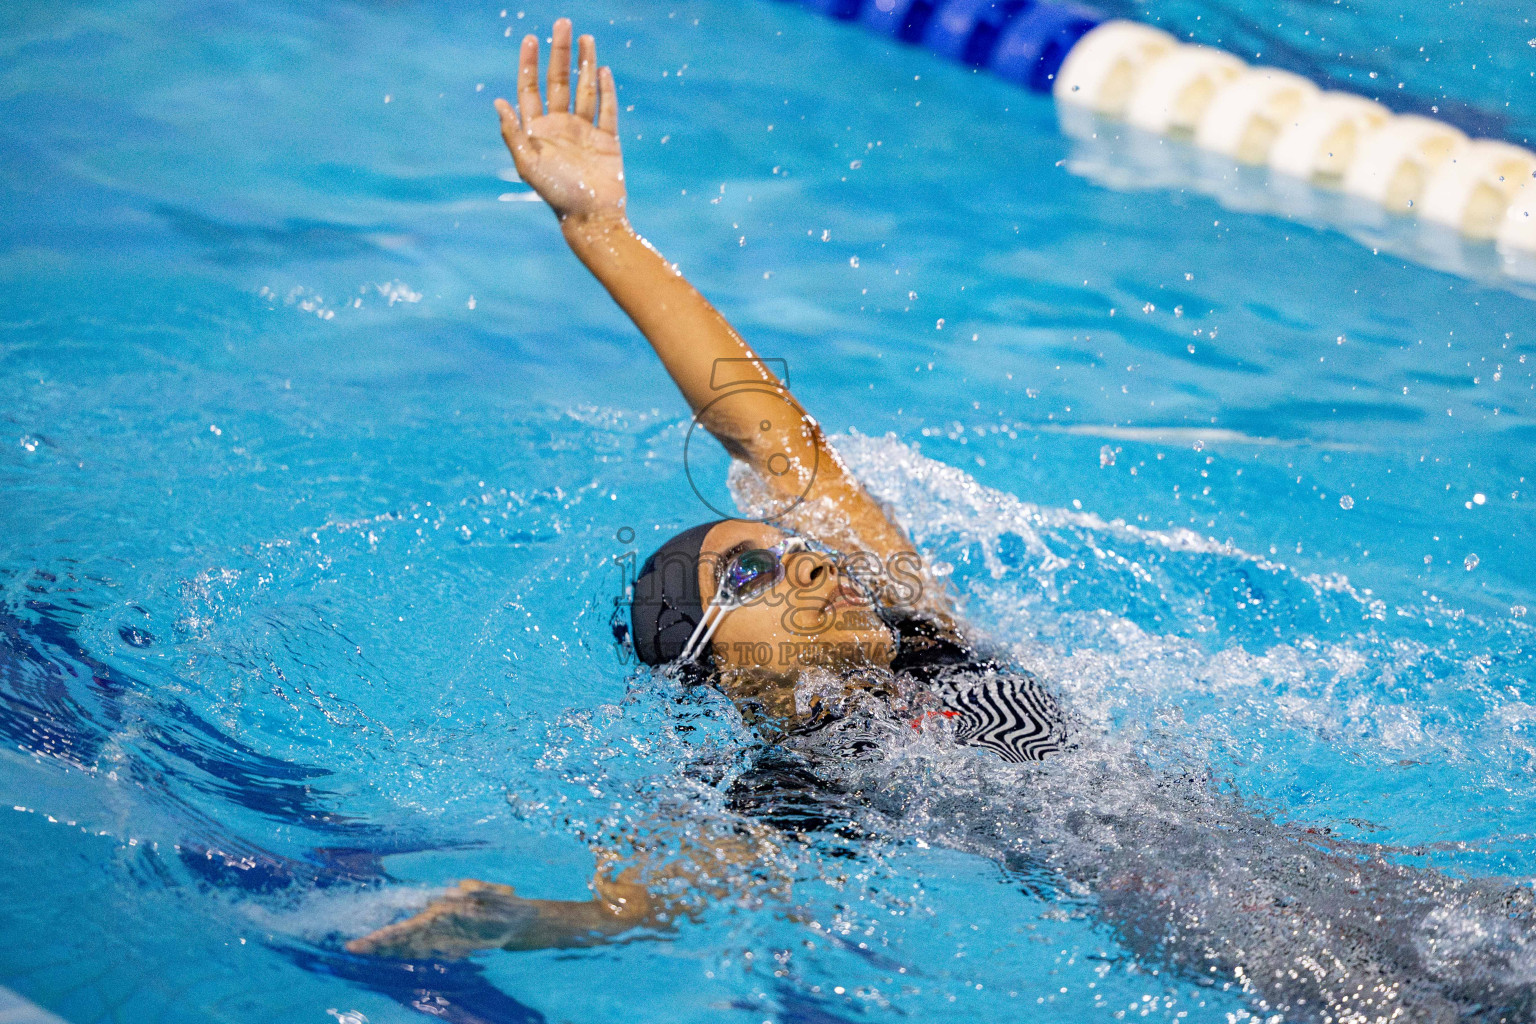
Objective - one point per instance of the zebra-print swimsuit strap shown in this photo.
(1010, 714)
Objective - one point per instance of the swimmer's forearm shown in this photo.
(686, 331)
(689, 335)
(484, 915)
(562, 924)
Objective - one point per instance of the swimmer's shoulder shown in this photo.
(929, 644)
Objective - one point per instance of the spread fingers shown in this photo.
(586, 78)
(528, 102)
(608, 115)
(511, 131)
(559, 82)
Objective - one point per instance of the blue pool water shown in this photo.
(317, 447)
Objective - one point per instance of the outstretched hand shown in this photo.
(476, 915)
(571, 159)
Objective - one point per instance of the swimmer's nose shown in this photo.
(812, 569)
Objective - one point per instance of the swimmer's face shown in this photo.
(814, 616)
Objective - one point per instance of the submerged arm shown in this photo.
(675, 872)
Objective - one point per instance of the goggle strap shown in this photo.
(693, 637)
(706, 627)
(704, 643)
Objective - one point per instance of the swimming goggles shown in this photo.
(748, 574)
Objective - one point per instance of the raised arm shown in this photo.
(571, 157)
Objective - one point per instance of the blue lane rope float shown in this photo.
(1484, 189)
(904, 19)
(1032, 47)
(968, 30)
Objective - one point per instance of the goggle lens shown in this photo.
(751, 571)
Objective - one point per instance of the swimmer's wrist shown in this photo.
(579, 228)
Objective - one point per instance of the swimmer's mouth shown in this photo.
(844, 597)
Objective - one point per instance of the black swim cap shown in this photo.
(667, 606)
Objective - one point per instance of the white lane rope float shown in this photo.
(1358, 159)
(1485, 189)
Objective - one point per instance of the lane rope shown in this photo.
(1410, 165)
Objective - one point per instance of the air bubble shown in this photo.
(1346, 503)
(1470, 562)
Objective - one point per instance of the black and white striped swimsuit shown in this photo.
(990, 704)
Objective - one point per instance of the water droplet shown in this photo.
(1346, 503)
(1470, 562)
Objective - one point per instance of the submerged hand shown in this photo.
(484, 915)
(570, 159)
(476, 915)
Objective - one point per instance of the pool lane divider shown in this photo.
(1485, 189)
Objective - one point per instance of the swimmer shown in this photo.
(751, 607)
(827, 634)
